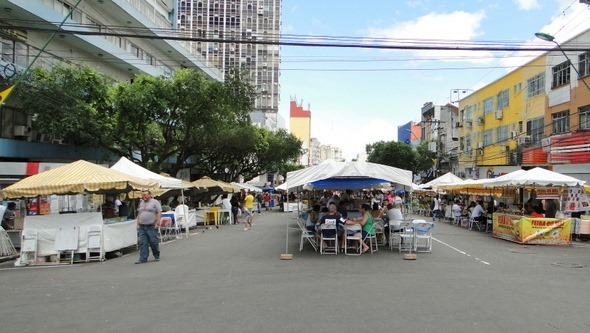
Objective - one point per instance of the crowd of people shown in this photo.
(373, 210)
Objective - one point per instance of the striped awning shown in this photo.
(77, 177)
(215, 185)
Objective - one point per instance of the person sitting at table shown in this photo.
(394, 217)
(366, 221)
(376, 211)
(537, 211)
(313, 218)
(479, 213)
(333, 217)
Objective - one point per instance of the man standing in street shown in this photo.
(249, 209)
(148, 221)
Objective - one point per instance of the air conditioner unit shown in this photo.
(524, 140)
(22, 130)
(480, 121)
(499, 114)
(480, 145)
(458, 125)
(513, 135)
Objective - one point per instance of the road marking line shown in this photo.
(460, 251)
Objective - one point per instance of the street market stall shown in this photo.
(80, 177)
(540, 230)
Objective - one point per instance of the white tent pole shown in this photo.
(184, 211)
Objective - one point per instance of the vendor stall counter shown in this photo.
(532, 230)
(116, 234)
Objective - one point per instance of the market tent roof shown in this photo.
(535, 177)
(124, 165)
(215, 185)
(347, 175)
(247, 186)
(446, 179)
(77, 177)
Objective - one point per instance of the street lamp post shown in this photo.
(549, 38)
(458, 92)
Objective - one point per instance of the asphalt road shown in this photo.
(231, 280)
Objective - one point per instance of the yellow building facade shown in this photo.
(496, 121)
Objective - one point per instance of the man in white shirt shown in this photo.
(479, 213)
(436, 210)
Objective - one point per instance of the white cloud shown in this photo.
(436, 29)
(527, 4)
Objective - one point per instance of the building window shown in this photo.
(535, 85)
(561, 74)
(535, 129)
(585, 117)
(467, 144)
(502, 99)
(487, 138)
(502, 134)
(488, 105)
(584, 64)
(561, 122)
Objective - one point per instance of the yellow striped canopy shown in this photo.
(215, 185)
(77, 177)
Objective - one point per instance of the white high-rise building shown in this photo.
(231, 33)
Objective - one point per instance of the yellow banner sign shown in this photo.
(531, 230)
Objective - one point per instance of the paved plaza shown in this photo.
(231, 280)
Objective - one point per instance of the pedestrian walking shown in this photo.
(148, 221)
(249, 209)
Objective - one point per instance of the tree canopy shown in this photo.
(164, 124)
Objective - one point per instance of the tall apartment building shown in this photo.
(228, 34)
(115, 56)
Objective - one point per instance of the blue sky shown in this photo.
(360, 96)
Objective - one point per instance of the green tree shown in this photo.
(69, 102)
(395, 154)
(424, 158)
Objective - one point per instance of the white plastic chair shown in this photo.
(372, 238)
(95, 243)
(379, 227)
(473, 223)
(394, 234)
(406, 237)
(28, 247)
(356, 237)
(422, 235)
(329, 243)
(306, 235)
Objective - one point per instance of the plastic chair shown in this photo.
(422, 235)
(379, 227)
(357, 237)
(306, 235)
(406, 237)
(167, 229)
(394, 233)
(212, 214)
(329, 237)
(94, 240)
(473, 223)
(372, 237)
(28, 246)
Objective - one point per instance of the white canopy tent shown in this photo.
(125, 166)
(446, 179)
(247, 186)
(534, 177)
(349, 175)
